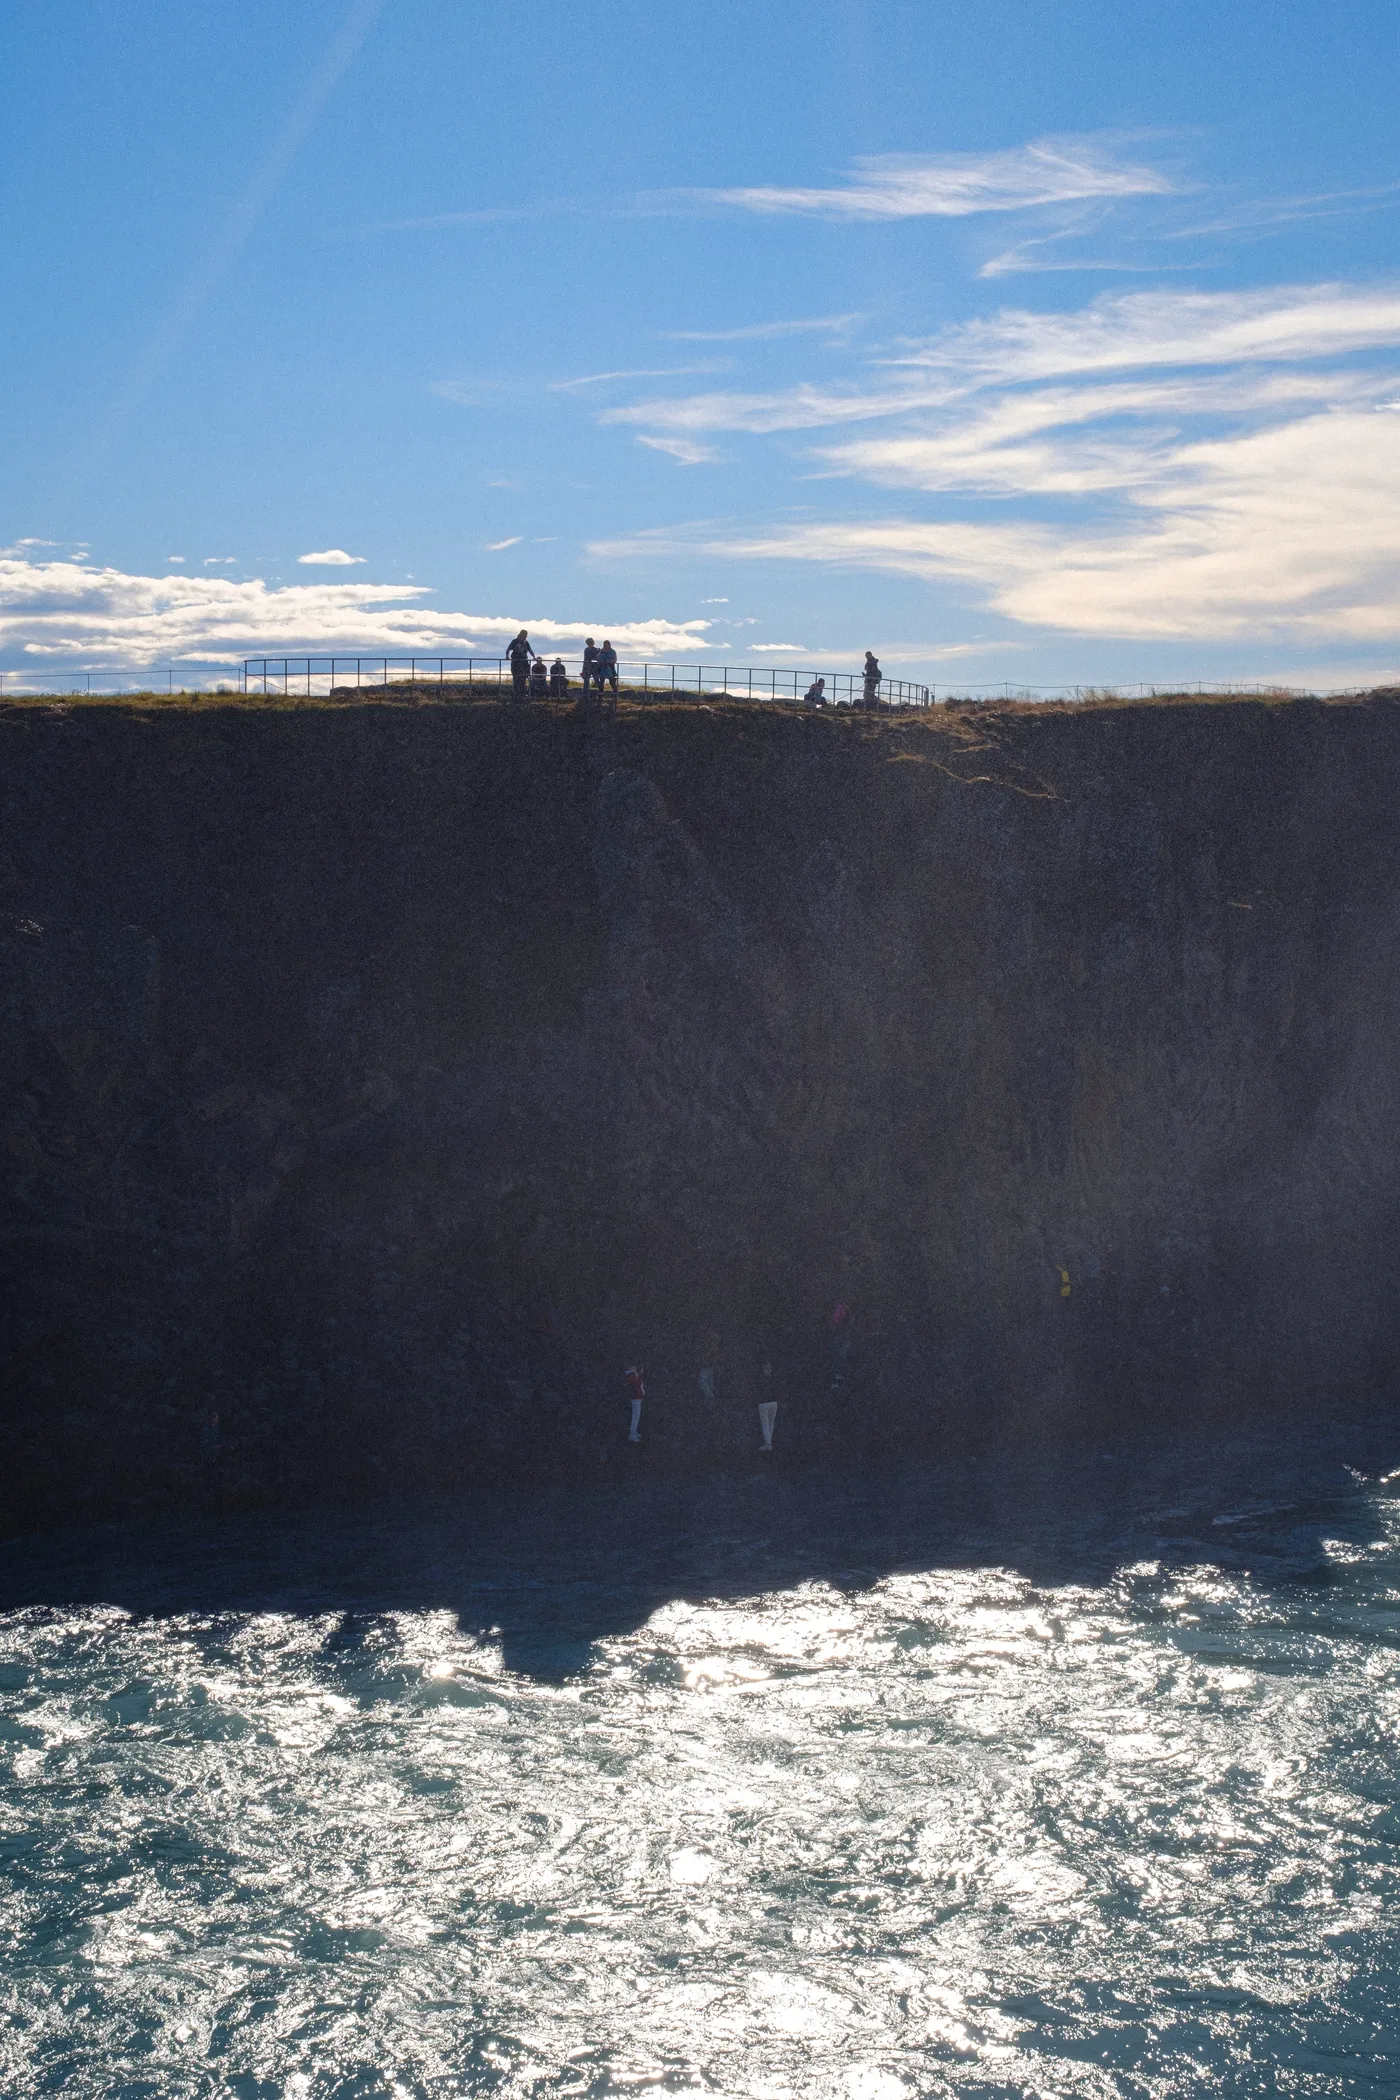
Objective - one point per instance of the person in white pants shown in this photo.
(767, 1409)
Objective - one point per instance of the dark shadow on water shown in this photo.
(547, 1578)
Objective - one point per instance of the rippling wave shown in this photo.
(1078, 1779)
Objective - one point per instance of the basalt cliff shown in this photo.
(380, 1080)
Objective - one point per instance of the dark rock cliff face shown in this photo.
(379, 1081)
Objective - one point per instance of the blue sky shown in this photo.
(1019, 341)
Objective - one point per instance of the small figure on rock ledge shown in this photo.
(636, 1393)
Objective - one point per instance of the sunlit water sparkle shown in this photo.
(1079, 1780)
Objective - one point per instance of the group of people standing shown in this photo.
(532, 679)
(839, 1351)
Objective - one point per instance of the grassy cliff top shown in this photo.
(401, 698)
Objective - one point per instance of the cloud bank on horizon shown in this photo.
(59, 612)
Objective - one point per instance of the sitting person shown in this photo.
(558, 679)
(539, 679)
(815, 695)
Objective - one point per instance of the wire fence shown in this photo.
(108, 680)
(310, 675)
(1157, 689)
(490, 677)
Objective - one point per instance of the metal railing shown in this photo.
(1156, 689)
(300, 677)
(107, 680)
(308, 676)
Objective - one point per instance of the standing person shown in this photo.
(558, 680)
(520, 654)
(607, 674)
(636, 1393)
(590, 668)
(872, 678)
(767, 1405)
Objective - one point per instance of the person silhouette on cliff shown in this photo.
(636, 1393)
(558, 679)
(590, 669)
(520, 654)
(872, 676)
(607, 674)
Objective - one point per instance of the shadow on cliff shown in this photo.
(547, 1579)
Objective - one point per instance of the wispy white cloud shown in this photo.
(1263, 214)
(221, 561)
(765, 331)
(472, 393)
(59, 612)
(1226, 463)
(1047, 258)
(1167, 327)
(330, 558)
(802, 407)
(177, 558)
(953, 185)
(685, 451)
(499, 546)
(564, 386)
(1290, 532)
(1119, 332)
(1030, 441)
(485, 215)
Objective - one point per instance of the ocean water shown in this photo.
(1077, 1777)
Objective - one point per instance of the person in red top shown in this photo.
(636, 1393)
